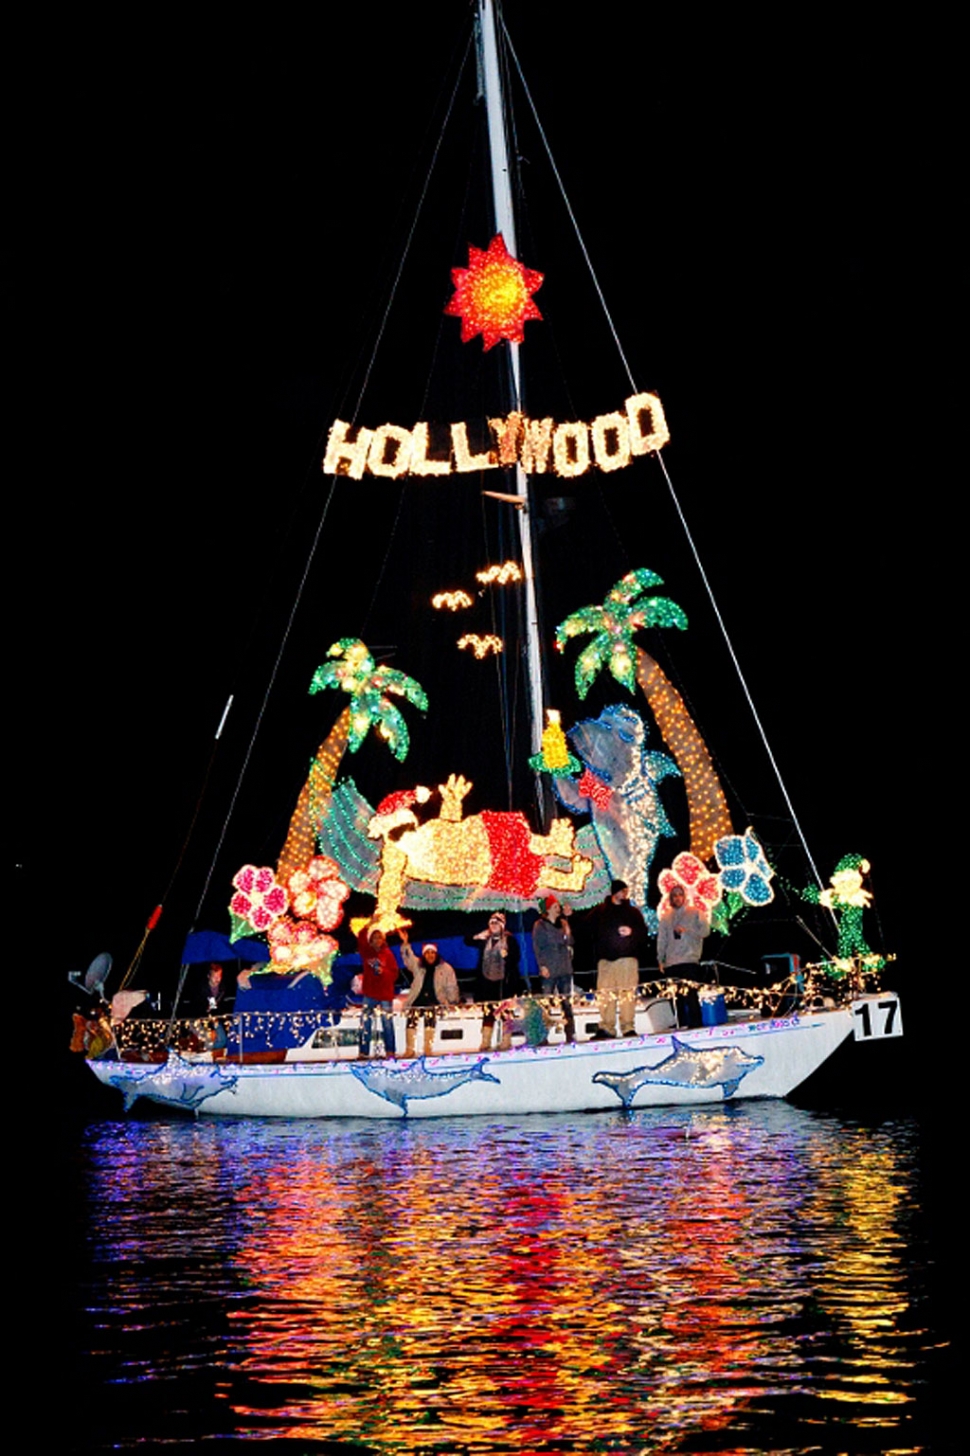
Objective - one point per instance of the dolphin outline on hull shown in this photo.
(689, 1060)
(396, 1081)
(198, 1080)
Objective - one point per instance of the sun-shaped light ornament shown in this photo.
(493, 295)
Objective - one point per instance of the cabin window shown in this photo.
(335, 1036)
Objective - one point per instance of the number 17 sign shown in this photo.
(876, 1017)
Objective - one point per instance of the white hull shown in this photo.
(737, 1060)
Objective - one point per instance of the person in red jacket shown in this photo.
(379, 971)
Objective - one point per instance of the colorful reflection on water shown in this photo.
(734, 1279)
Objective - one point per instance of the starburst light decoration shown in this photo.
(493, 295)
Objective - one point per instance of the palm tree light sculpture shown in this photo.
(626, 610)
(351, 668)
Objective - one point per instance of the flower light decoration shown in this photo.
(258, 903)
(555, 757)
(744, 869)
(314, 895)
(702, 889)
(493, 295)
(454, 601)
(481, 646)
(296, 945)
(318, 893)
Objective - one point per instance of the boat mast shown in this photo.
(505, 224)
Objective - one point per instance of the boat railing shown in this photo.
(660, 1004)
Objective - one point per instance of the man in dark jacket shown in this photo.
(619, 938)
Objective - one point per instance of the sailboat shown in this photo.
(596, 813)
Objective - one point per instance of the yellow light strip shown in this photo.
(508, 571)
(453, 600)
(481, 646)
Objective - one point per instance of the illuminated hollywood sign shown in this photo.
(610, 442)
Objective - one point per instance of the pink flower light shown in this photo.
(702, 890)
(260, 900)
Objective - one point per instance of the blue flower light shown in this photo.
(744, 868)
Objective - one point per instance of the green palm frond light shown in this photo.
(352, 669)
(625, 610)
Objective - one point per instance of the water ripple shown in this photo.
(732, 1279)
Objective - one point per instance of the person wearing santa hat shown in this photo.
(379, 972)
(434, 984)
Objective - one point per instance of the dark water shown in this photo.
(749, 1278)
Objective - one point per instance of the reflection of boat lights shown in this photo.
(863, 1284)
(481, 646)
(440, 1279)
(508, 571)
(453, 600)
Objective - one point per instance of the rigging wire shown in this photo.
(316, 538)
(266, 695)
(411, 231)
(737, 667)
(496, 607)
(659, 457)
(384, 318)
(569, 209)
(252, 740)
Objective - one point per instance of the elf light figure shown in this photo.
(847, 899)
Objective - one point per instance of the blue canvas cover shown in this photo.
(209, 945)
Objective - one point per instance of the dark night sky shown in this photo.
(207, 225)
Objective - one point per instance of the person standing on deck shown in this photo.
(552, 941)
(434, 984)
(379, 972)
(498, 969)
(680, 939)
(497, 974)
(619, 936)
